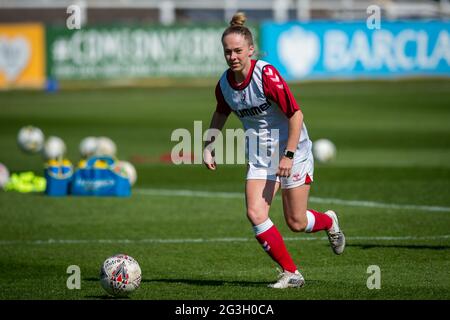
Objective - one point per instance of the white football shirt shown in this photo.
(264, 104)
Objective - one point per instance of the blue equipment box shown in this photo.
(58, 175)
(98, 178)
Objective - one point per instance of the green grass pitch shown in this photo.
(390, 184)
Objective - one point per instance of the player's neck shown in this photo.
(240, 76)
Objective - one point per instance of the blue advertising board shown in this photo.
(320, 50)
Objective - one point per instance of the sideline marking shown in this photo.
(203, 240)
(236, 195)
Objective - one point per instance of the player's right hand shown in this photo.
(208, 159)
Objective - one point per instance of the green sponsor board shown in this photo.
(134, 52)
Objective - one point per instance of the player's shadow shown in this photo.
(400, 246)
(204, 282)
(196, 282)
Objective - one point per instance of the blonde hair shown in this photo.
(238, 19)
(237, 27)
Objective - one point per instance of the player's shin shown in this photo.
(272, 242)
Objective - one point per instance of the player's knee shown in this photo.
(256, 216)
(296, 225)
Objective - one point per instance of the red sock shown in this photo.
(273, 244)
(317, 221)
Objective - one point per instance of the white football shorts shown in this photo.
(302, 172)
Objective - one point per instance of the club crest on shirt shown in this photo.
(243, 98)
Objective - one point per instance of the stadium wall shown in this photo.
(314, 50)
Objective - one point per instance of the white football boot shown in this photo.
(335, 234)
(288, 280)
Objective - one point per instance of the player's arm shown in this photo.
(277, 90)
(295, 126)
(218, 120)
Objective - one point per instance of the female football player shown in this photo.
(258, 95)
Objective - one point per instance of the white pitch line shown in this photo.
(189, 193)
(203, 240)
(236, 195)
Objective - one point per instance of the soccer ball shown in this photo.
(54, 148)
(126, 169)
(30, 139)
(120, 275)
(324, 150)
(88, 147)
(105, 147)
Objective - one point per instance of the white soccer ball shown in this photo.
(30, 139)
(54, 148)
(127, 169)
(120, 275)
(88, 147)
(4, 175)
(105, 147)
(324, 150)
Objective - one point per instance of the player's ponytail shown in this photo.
(237, 26)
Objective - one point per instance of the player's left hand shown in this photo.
(284, 168)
